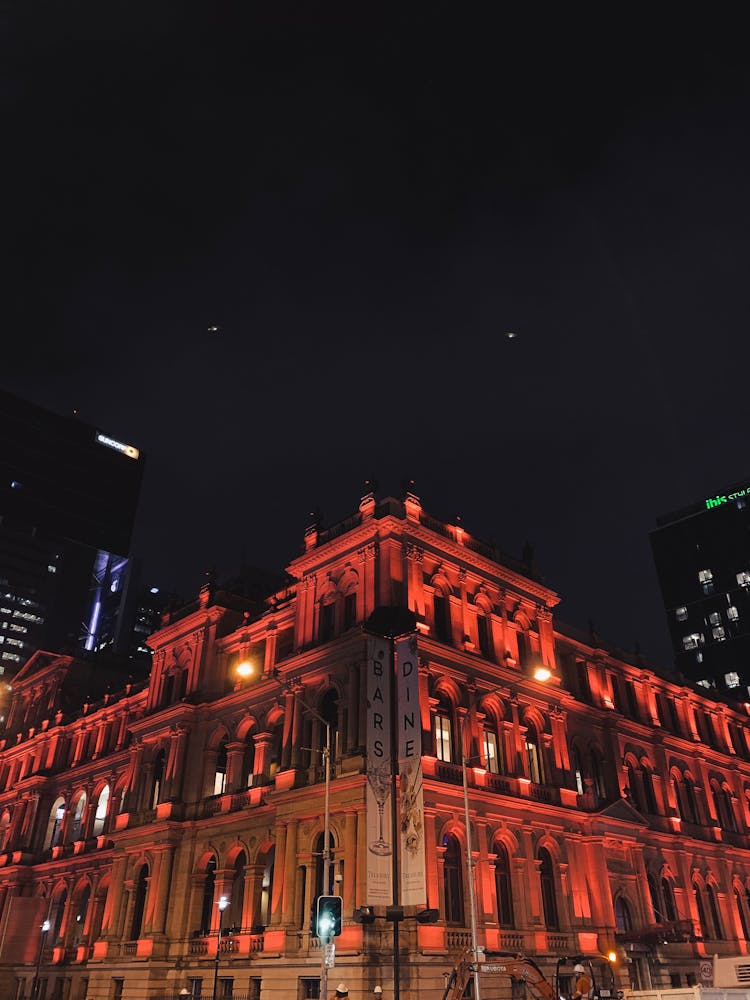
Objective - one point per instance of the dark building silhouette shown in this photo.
(68, 498)
(702, 556)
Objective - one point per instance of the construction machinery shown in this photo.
(496, 968)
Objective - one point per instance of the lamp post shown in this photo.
(222, 904)
(42, 938)
(541, 674)
(326, 830)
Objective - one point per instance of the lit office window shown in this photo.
(732, 679)
(743, 578)
(732, 613)
(706, 580)
(718, 633)
(681, 614)
(714, 618)
(691, 641)
(490, 751)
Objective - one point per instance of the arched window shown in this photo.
(220, 774)
(623, 919)
(453, 881)
(100, 815)
(248, 761)
(534, 755)
(656, 903)
(157, 777)
(277, 744)
(54, 824)
(691, 812)
(443, 730)
(207, 902)
(725, 809)
(741, 912)
(327, 622)
(493, 750)
(76, 828)
(236, 908)
(547, 880)
(139, 902)
(713, 907)
(600, 790)
(670, 907)
(633, 787)
(442, 611)
(266, 887)
(503, 886)
(649, 798)
(578, 771)
(4, 828)
(56, 915)
(524, 648)
(81, 912)
(484, 634)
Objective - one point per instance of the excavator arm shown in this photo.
(513, 967)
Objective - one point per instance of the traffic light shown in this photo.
(328, 917)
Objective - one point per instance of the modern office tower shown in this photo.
(68, 497)
(555, 798)
(702, 556)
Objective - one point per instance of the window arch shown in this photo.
(547, 880)
(54, 824)
(139, 902)
(443, 728)
(534, 755)
(233, 917)
(4, 829)
(100, 816)
(623, 918)
(220, 772)
(453, 880)
(157, 777)
(207, 900)
(741, 912)
(503, 886)
(76, 827)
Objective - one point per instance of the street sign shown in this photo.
(706, 973)
(330, 957)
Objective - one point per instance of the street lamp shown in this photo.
(42, 938)
(222, 904)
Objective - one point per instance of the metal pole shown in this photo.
(42, 939)
(218, 949)
(394, 825)
(470, 867)
(326, 849)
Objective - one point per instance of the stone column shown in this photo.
(235, 761)
(261, 757)
(288, 903)
(277, 913)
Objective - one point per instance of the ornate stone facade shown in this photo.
(610, 803)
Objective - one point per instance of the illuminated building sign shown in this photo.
(126, 449)
(722, 498)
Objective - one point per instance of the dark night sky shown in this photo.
(365, 202)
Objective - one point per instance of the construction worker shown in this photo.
(583, 983)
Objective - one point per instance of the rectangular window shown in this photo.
(714, 618)
(706, 580)
(691, 641)
(254, 991)
(732, 613)
(632, 700)
(732, 680)
(718, 633)
(117, 987)
(484, 632)
(327, 618)
(195, 985)
(226, 988)
(309, 989)
(743, 578)
(443, 738)
(490, 751)
(681, 614)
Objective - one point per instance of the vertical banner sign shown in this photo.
(411, 797)
(379, 770)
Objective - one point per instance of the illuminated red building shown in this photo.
(609, 803)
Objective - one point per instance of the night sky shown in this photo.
(366, 201)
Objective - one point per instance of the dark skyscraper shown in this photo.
(702, 556)
(68, 498)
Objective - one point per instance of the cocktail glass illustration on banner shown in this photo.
(379, 778)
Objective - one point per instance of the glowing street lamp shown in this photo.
(222, 904)
(42, 938)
